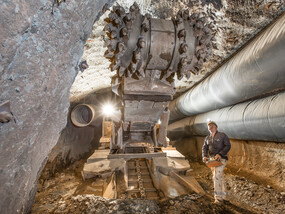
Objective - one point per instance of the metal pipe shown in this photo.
(256, 70)
(262, 119)
(83, 115)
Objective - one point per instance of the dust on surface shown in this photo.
(242, 191)
(66, 192)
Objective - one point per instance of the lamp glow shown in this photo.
(108, 110)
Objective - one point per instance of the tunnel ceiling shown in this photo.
(235, 21)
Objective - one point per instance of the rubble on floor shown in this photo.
(183, 204)
(193, 203)
(260, 197)
(257, 197)
(67, 192)
(95, 204)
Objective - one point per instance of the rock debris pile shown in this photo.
(263, 198)
(192, 204)
(95, 204)
(243, 192)
(183, 204)
(66, 192)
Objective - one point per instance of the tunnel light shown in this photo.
(208, 119)
(108, 109)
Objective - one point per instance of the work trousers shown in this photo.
(218, 178)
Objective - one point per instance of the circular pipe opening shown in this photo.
(82, 115)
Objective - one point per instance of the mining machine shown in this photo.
(147, 54)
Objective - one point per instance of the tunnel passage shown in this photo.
(242, 162)
(40, 53)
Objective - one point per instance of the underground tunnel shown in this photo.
(105, 106)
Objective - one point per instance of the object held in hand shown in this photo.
(213, 163)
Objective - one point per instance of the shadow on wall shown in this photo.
(76, 143)
(263, 162)
(189, 148)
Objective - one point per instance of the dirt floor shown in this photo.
(242, 192)
(66, 192)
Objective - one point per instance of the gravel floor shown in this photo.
(66, 192)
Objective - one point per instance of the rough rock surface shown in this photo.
(235, 22)
(75, 143)
(180, 205)
(66, 192)
(260, 197)
(39, 56)
(99, 205)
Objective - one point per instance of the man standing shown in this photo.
(217, 145)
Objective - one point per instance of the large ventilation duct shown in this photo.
(83, 115)
(256, 70)
(262, 119)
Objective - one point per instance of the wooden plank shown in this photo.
(138, 155)
(189, 182)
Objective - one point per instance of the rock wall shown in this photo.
(76, 143)
(263, 162)
(39, 56)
